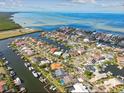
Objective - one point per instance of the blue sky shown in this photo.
(113, 6)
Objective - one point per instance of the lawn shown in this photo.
(16, 32)
(6, 23)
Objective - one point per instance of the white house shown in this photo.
(79, 88)
(58, 53)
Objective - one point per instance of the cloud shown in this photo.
(83, 1)
(2, 3)
(11, 3)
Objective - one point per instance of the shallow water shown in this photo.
(109, 23)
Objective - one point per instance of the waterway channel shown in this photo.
(32, 84)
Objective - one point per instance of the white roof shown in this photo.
(58, 53)
(17, 81)
(86, 40)
(79, 88)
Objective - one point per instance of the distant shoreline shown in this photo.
(9, 29)
(49, 21)
(6, 22)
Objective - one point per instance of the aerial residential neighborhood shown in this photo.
(61, 46)
(75, 63)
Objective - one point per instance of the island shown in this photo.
(8, 28)
(6, 23)
(74, 60)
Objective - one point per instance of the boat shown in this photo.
(27, 64)
(22, 90)
(3, 58)
(12, 73)
(6, 62)
(51, 87)
(17, 81)
(39, 73)
(54, 89)
(9, 68)
(35, 74)
(41, 79)
(31, 68)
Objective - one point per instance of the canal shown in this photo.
(114, 70)
(32, 84)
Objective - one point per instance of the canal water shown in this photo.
(55, 43)
(32, 84)
(114, 70)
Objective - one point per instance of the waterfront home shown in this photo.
(73, 53)
(53, 50)
(35, 59)
(20, 43)
(98, 76)
(29, 52)
(90, 68)
(58, 53)
(33, 40)
(55, 66)
(17, 81)
(2, 83)
(80, 51)
(45, 61)
(97, 56)
(86, 40)
(79, 88)
(120, 60)
(68, 80)
(65, 55)
(39, 43)
(121, 43)
(59, 73)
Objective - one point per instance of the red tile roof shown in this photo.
(52, 50)
(1, 85)
(55, 66)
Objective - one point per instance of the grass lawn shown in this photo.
(6, 23)
(16, 32)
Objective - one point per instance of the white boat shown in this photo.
(41, 79)
(9, 68)
(31, 68)
(54, 89)
(27, 64)
(3, 58)
(51, 87)
(17, 81)
(35, 74)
